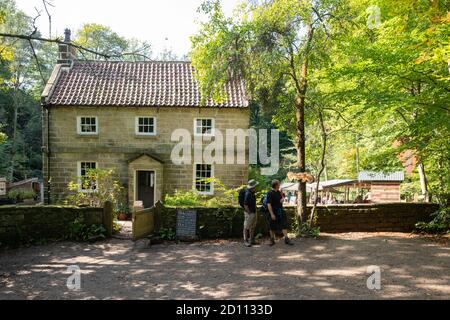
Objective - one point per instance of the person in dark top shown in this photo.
(277, 216)
(250, 213)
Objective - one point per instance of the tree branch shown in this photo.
(45, 3)
(37, 62)
(58, 41)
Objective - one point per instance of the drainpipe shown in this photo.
(46, 148)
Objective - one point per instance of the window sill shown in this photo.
(94, 135)
(145, 136)
(204, 135)
(87, 191)
(210, 193)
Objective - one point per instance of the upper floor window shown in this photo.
(145, 126)
(204, 127)
(203, 175)
(87, 125)
(86, 179)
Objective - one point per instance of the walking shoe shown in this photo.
(287, 241)
(247, 244)
(253, 242)
(272, 242)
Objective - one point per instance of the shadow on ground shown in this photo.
(332, 267)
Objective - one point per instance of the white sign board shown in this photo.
(138, 204)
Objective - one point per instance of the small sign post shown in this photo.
(186, 224)
(2, 186)
(138, 205)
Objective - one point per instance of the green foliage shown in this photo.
(223, 197)
(408, 189)
(184, 199)
(79, 231)
(440, 223)
(167, 234)
(20, 194)
(101, 39)
(3, 138)
(122, 207)
(376, 86)
(305, 229)
(100, 185)
(116, 227)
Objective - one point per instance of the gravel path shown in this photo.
(332, 267)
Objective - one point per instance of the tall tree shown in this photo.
(266, 42)
(391, 80)
(100, 38)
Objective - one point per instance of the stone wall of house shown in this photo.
(117, 143)
(227, 222)
(24, 224)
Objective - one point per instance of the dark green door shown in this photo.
(146, 188)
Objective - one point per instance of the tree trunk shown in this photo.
(14, 133)
(423, 181)
(301, 161)
(300, 117)
(322, 165)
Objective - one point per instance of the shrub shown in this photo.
(185, 199)
(79, 231)
(439, 224)
(305, 230)
(116, 227)
(122, 208)
(20, 194)
(224, 197)
(107, 188)
(167, 234)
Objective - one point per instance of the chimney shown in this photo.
(66, 52)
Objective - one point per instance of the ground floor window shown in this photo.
(202, 177)
(87, 182)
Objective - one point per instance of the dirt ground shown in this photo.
(332, 267)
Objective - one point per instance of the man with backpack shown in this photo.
(276, 216)
(247, 200)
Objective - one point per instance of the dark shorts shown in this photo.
(280, 223)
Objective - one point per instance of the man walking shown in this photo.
(276, 216)
(249, 205)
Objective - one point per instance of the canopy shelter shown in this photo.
(369, 187)
(293, 186)
(329, 185)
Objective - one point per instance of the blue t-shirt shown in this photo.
(274, 198)
(250, 201)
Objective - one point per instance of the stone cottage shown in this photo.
(121, 115)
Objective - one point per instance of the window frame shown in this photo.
(136, 126)
(79, 177)
(213, 127)
(211, 191)
(81, 133)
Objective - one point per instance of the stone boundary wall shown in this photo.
(25, 224)
(227, 222)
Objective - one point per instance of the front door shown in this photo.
(145, 188)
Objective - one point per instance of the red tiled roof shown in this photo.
(113, 83)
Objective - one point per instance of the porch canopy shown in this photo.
(329, 185)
